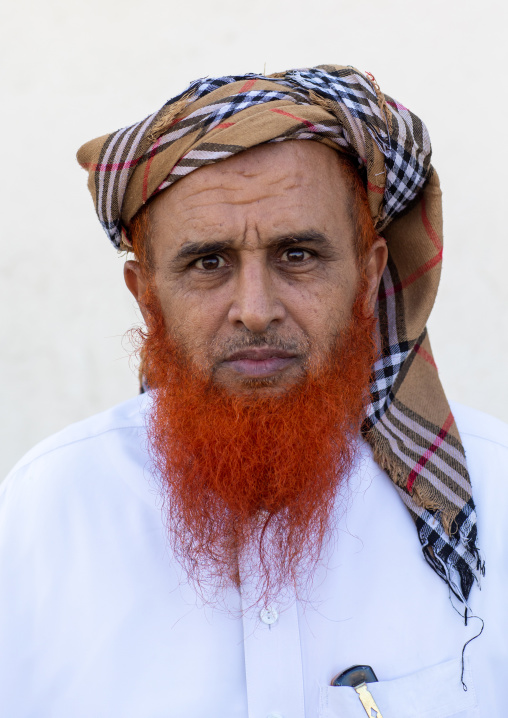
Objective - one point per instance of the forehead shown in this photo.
(278, 187)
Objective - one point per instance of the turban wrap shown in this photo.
(408, 424)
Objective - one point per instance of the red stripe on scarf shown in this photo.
(433, 236)
(373, 188)
(397, 105)
(248, 85)
(426, 456)
(293, 117)
(425, 355)
(110, 167)
(429, 228)
(413, 277)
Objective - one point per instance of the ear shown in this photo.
(136, 282)
(374, 267)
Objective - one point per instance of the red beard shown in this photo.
(243, 474)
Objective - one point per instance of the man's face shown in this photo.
(255, 266)
(255, 281)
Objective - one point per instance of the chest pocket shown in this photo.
(435, 692)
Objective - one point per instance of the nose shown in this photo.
(255, 303)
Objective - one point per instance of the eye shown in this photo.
(210, 262)
(295, 255)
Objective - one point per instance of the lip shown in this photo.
(259, 361)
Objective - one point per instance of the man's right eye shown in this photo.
(210, 262)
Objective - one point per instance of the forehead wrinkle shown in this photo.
(273, 175)
(219, 198)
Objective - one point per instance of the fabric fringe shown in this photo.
(164, 122)
(324, 102)
(381, 100)
(424, 495)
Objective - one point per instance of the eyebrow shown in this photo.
(198, 249)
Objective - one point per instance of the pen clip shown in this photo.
(357, 677)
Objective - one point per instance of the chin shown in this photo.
(262, 386)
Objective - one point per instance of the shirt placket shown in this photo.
(273, 664)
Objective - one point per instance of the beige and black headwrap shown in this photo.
(409, 423)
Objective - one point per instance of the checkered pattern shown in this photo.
(454, 558)
(408, 424)
(394, 354)
(406, 162)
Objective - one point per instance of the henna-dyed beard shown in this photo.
(253, 474)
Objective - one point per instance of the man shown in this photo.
(250, 528)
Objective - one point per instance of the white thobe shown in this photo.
(96, 618)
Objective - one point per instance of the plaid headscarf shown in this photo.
(409, 423)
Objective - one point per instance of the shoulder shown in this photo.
(128, 414)
(102, 449)
(476, 427)
(485, 441)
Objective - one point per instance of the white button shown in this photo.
(269, 616)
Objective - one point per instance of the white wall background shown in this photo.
(72, 70)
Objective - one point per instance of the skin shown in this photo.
(254, 264)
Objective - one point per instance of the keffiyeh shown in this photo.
(409, 423)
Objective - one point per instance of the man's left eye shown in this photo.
(296, 255)
(209, 263)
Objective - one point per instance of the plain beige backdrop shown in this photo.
(72, 70)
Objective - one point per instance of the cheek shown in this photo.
(323, 311)
(194, 324)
